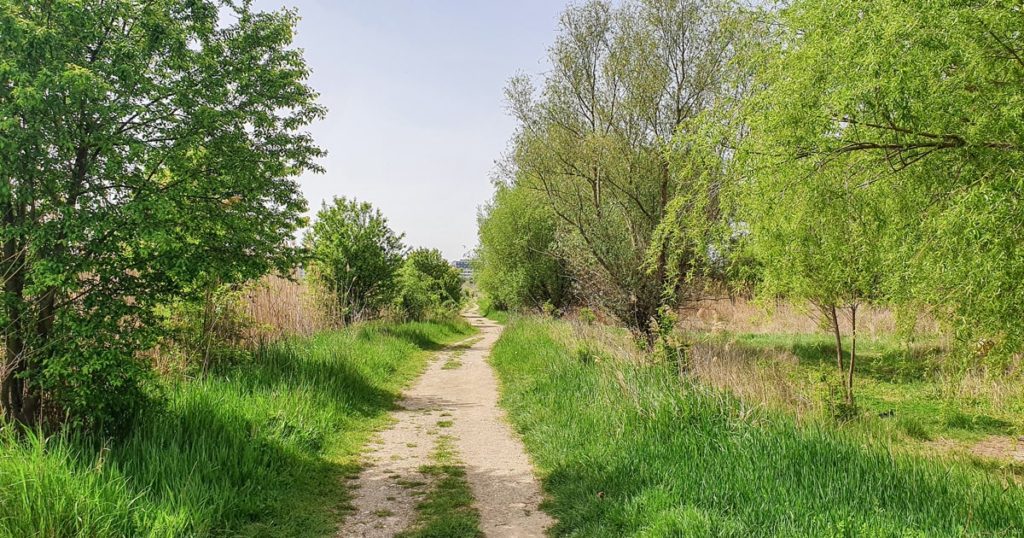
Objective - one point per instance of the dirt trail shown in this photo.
(457, 396)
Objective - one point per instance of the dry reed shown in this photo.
(740, 315)
(280, 307)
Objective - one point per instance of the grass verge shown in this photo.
(627, 449)
(489, 311)
(447, 508)
(257, 450)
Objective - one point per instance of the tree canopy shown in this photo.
(591, 138)
(146, 149)
(518, 264)
(912, 112)
(428, 285)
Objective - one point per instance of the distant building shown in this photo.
(465, 268)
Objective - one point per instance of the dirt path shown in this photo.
(457, 396)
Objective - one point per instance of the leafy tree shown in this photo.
(623, 79)
(818, 241)
(917, 103)
(355, 256)
(428, 284)
(518, 264)
(146, 151)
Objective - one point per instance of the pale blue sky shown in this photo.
(416, 107)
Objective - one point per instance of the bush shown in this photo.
(587, 316)
(355, 257)
(206, 333)
(428, 286)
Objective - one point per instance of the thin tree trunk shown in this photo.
(834, 317)
(853, 352)
(13, 386)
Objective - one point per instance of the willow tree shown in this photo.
(623, 79)
(919, 103)
(146, 150)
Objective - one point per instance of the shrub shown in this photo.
(428, 286)
(207, 332)
(355, 257)
(587, 316)
(517, 265)
(549, 309)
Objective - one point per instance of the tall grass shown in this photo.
(740, 315)
(260, 449)
(281, 307)
(628, 449)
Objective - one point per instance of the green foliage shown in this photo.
(669, 340)
(206, 333)
(355, 257)
(627, 449)
(490, 311)
(257, 450)
(428, 285)
(897, 123)
(148, 149)
(517, 264)
(587, 316)
(913, 427)
(625, 76)
(548, 309)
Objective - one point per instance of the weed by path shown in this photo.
(446, 510)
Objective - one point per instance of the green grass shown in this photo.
(260, 449)
(630, 450)
(488, 310)
(895, 385)
(447, 508)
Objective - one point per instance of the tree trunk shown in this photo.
(853, 353)
(834, 318)
(17, 400)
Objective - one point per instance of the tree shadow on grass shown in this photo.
(776, 481)
(201, 468)
(879, 361)
(418, 336)
(243, 453)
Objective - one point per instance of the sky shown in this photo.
(415, 97)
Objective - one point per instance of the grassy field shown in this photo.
(628, 449)
(488, 310)
(913, 395)
(258, 450)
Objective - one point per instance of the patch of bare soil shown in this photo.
(1000, 447)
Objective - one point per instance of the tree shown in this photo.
(819, 241)
(623, 79)
(354, 256)
(147, 149)
(518, 264)
(918, 103)
(428, 284)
